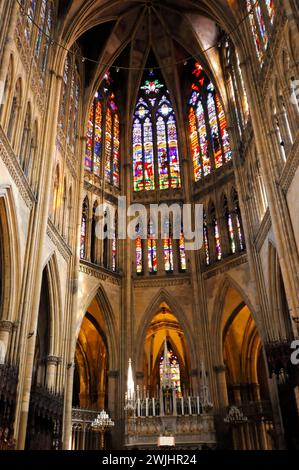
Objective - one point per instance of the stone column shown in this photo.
(52, 363)
(221, 385)
(5, 330)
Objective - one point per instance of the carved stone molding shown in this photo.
(290, 167)
(58, 241)
(6, 325)
(54, 360)
(99, 272)
(162, 281)
(15, 170)
(225, 266)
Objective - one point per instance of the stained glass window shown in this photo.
(206, 240)
(183, 263)
(31, 10)
(83, 229)
(217, 239)
(139, 264)
(261, 23)
(174, 369)
(194, 145)
(152, 249)
(103, 111)
(64, 92)
(48, 28)
(114, 251)
(271, 9)
(137, 156)
(155, 140)
(207, 126)
(149, 177)
(97, 136)
(89, 139)
(168, 254)
(218, 157)
(223, 130)
(257, 42)
(203, 139)
(116, 151)
(42, 17)
(108, 145)
(231, 234)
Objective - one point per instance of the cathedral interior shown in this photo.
(186, 102)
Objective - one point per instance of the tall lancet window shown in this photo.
(209, 139)
(261, 18)
(170, 375)
(155, 140)
(102, 155)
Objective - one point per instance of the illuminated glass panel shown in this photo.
(206, 241)
(62, 110)
(162, 154)
(114, 251)
(137, 156)
(75, 115)
(223, 130)
(97, 138)
(257, 42)
(83, 236)
(174, 367)
(183, 263)
(152, 249)
(108, 145)
(173, 153)
(231, 234)
(217, 240)
(261, 23)
(194, 145)
(116, 151)
(139, 267)
(89, 138)
(241, 241)
(42, 18)
(30, 18)
(71, 108)
(271, 9)
(48, 29)
(149, 175)
(168, 254)
(203, 140)
(218, 157)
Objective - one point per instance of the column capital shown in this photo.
(6, 325)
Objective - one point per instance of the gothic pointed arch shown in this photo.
(163, 296)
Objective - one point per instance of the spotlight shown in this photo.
(117, 69)
(83, 59)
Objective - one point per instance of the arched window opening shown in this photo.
(206, 240)
(229, 225)
(15, 107)
(210, 146)
(93, 256)
(168, 250)
(237, 214)
(155, 139)
(103, 136)
(138, 251)
(182, 253)
(57, 196)
(84, 224)
(170, 374)
(26, 141)
(261, 18)
(152, 249)
(216, 233)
